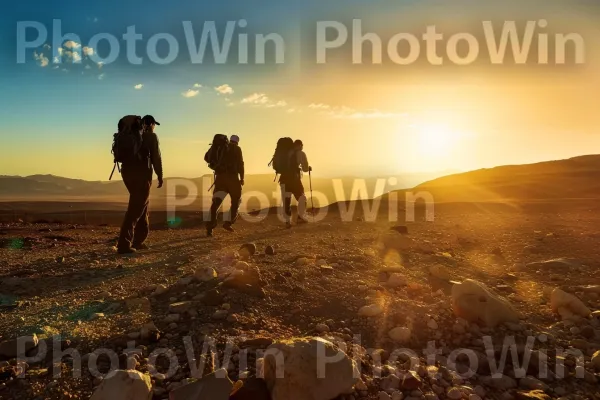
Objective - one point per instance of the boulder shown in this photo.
(596, 360)
(124, 385)
(205, 274)
(270, 250)
(305, 374)
(248, 282)
(503, 383)
(567, 305)
(18, 347)
(561, 264)
(440, 272)
(474, 302)
(370, 310)
(214, 386)
(247, 250)
(180, 307)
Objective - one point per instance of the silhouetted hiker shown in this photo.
(291, 183)
(137, 168)
(226, 159)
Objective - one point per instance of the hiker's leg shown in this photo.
(142, 228)
(235, 191)
(287, 203)
(219, 194)
(133, 212)
(301, 199)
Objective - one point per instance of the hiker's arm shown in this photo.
(241, 170)
(303, 161)
(156, 158)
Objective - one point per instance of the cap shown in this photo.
(234, 138)
(149, 119)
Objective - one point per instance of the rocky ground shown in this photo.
(369, 289)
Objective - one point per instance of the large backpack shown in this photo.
(127, 142)
(216, 154)
(281, 162)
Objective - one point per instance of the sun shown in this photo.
(435, 139)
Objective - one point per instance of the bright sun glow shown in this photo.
(435, 140)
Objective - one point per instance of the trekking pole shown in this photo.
(312, 204)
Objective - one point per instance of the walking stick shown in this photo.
(312, 204)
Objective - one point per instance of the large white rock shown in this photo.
(396, 280)
(474, 302)
(567, 305)
(124, 385)
(370, 311)
(309, 369)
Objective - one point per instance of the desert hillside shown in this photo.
(574, 178)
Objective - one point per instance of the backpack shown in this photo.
(281, 161)
(127, 142)
(215, 156)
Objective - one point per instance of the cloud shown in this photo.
(351, 113)
(41, 59)
(139, 86)
(224, 89)
(280, 103)
(256, 98)
(197, 85)
(100, 64)
(101, 76)
(190, 93)
(72, 45)
(88, 51)
(87, 67)
(319, 106)
(60, 51)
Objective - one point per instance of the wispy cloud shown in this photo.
(348, 112)
(319, 106)
(197, 85)
(224, 89)
(261, 99)
(101, 76)
(138, 86)
(190, 93)
(41, 59)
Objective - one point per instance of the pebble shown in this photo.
(432, 324)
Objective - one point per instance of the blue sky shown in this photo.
(60, 118)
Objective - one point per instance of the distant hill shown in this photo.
(577, 177)
(59, 189)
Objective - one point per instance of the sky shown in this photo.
(366, 119)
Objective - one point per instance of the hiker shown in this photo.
(137, 172)
(229, 179)
(291, 183)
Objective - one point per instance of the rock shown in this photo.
(440, 272)
(124, 385)
(410, 381)
(205, 274)
(396, 280)
(401, 229)
(596, 360)
(370, 311)
(474, 302)
(322, 328)
(220, 314)
(248, 282)
(270, 250)
(567, 305)
(564, 265)
(579, 344)
(531, 383)
(454, 393)
(400, 334)
(301, 262)
(180, 308)
(474, 397)
(60, 260)
(215, 386)
(247, 250)
(384, 396)
(302, 359)
(259, 343)
(432, 324)
(532, 395)
(326, 268)
(18, 347)
(150, 332)
(397, 395)
(252, 389)
(588, 332)
(160, 289)
(96, 316)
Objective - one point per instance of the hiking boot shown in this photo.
(301, 221)
(227, 226)
(126, 251)
(140, 247)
